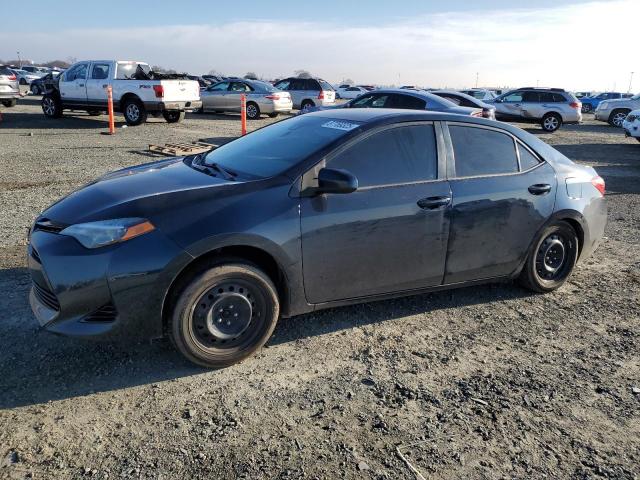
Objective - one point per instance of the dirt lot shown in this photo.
(483, 382)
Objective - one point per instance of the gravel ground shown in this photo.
(482, 382)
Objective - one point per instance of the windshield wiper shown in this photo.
(196, 163)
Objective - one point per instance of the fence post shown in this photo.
(112, 128)
(243, 113)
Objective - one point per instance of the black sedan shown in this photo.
(324, 209)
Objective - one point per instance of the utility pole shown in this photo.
(19, 61)
(630, 82)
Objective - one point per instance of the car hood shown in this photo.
(135, 192)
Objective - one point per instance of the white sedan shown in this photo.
(631, 125)
(351, 92)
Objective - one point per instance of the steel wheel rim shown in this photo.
(306, 107)
(553, 257)
(228, 315)
(551, 123)
(133, 112)
(251, 111)
(48, 106)
(618, 119)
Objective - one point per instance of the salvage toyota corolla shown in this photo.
(320, 210)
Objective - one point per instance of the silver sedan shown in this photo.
(261, 98)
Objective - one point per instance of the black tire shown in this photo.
(51, 106)
(224, 314)
(586, 107)
(638, 138)
(134, 112)
(10, 103)
(306, 105)
(551, 122)
(35, 89)
(273, 115)
(173, 116)
(552, 258)
(23, 81)
(94, 113)
(253, 111)
(617, 117)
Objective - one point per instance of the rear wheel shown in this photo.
(23, 81)
(224, 314)
(273, 115)
(551, 122)
(173, 116)
(617, 118)
(51, 107)
(307, 105)
(552, 258)
(253, 111)
(134, 112)
(9, 103)
(586, 108)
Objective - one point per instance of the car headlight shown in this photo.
(107, 232)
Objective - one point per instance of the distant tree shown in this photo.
(251, 76)
(215, 72)
(159, 69)
(302, 74)
(347, 81)
(56, 64)
(71, 60)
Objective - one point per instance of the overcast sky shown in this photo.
(577, 45)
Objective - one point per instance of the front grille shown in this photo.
(107, 313)
(46, 297)
(46, 225)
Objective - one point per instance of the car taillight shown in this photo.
(576, 105)
(159, 89)
(273, 97)
(598, 182)
(12, 76)
(321, 95)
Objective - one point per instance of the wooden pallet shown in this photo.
(180, 149)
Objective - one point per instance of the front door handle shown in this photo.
(539, 189)
(433, 203)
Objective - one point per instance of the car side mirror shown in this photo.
(332, 180)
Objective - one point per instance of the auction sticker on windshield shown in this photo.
(338, 125)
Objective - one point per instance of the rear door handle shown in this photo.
(539, 189)
(433, 203)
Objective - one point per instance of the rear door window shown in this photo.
(99, 71)
(393, 156)
(408, 102)
(527, 159)
(480, 151)
(531, 97)
(370, 101)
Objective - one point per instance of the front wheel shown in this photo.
(51, 107)
(224, 314)
(134, 112)
(173, 116)
(253, 111)
(586, 108)
(35, 90)
(551, 122)
(10, 103)
(617, 118)
(551, 261)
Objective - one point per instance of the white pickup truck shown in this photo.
(137, 91)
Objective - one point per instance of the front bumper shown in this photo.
(602, 115)
(113, 292)
(631, 129)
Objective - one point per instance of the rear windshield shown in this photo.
(5, 71)
(274, 149)
(125, 71)
(325, 85)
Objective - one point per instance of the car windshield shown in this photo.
(274, 149)
(636, 97)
